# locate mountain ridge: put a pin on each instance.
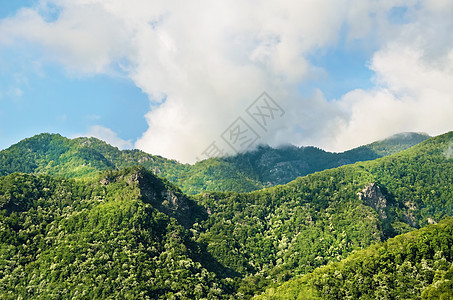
(216, 245)
(289, 230)
(117, 235)
(263, 167)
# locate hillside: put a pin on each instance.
(112, 237)
(59, 156)
(273, 166)
(290, 230)
(415, 265)
(151, 239)
(55, 155)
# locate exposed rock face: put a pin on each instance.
(373, 196)
(288, 169)
(145, 159)
(431, 221)
(162, 197)
(170, 202)
(409, 213)
(156, 171)
(410, 205)
(104, 181)
(174, 202)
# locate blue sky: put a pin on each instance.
(95, 69)
(48, 98)
(54, 101)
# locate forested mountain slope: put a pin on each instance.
(115, 236)
(130, 234)
(415, 265)
(273, 166)
(289, 230)
(55, 155)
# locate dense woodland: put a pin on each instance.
(349, 232)
(99, 238)
(415, 265)
(264, 167)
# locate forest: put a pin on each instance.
(55, 155)
(80, 220)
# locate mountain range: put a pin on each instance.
(82, 220)
(264, 167)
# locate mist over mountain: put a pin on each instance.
(264, 167)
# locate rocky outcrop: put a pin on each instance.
(409, 216)
(431, 221)
(159, 193)
(372, 196)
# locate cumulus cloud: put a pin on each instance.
(109, 136)
(84, 38)
(202, 63)
(414, 72)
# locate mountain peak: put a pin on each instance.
(263, 167)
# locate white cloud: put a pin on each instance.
(109, 136)
(414, 74)
(85, 38)
(202, 63)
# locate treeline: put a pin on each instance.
(264, 167)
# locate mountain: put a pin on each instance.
(118, 235)
(264, 167)
(273, 166)
(59, 156)
(285, 231)
(393, 144)
(415, 265)
(127, 233)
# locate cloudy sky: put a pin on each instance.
(175, 78)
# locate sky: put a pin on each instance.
(190, 80)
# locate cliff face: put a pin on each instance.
(167, 198)
(160, 193)
(372, 196)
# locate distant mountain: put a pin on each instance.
(393, 144)
(129, 234)
(56, 155)
(415, 265)
(272, 166)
